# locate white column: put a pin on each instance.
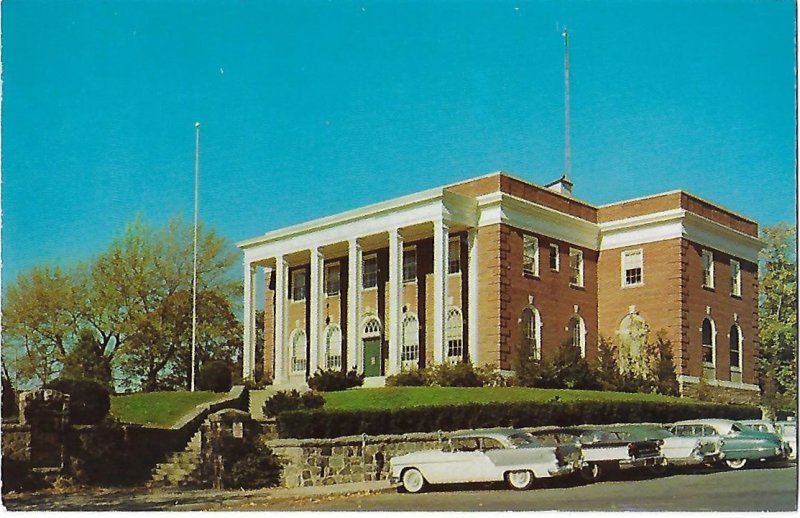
(249, 349)
(281, 273)
(315, 296)
(395, 299)
(440, 249)
(472, 294)
(355, 357)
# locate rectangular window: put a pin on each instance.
(410, 264)
(369, 276)
(575, 267)
(708, 269)
(554, 260)
(454, 255)
(332, 275)
(736, 278)
(530, 255)
(299, 284)
(632, 267)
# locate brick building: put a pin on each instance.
(468, 271)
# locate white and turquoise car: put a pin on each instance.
(738, 444)
(486, 455)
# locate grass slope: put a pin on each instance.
(162, 409)
(408, 397)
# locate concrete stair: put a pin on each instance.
(257, 399)
(182, 468)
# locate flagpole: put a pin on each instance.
(194, 268)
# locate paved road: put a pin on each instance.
(761, 489)
(771, 488)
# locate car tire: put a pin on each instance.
(412, 481)
(735, 463)
(519, 480)
(591, 473)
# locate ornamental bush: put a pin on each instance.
(249, 465)
(285, 401)
(408, 378)
(215, 376)
(89, 401)
(329, 381)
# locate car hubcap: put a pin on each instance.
(519, 479)
(412, 480)
(736, 464)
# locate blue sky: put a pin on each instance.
(313, 107)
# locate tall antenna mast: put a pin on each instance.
(194, 262)
(567, 144)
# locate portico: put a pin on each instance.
(357, 286)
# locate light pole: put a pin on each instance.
(194, 265)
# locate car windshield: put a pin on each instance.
(736, 427)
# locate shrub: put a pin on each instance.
(9, 399)
(86, 361)
(408, 378)
(249, 465)
(455, 375)
(327, 424)
(291, 400)
(329, 381)
(215, 376)
(665, 375)
(89, 401)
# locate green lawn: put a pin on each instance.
(406, 397)
(162, 409)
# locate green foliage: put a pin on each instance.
(285, 401)
(133, 298)
(89, 401)
(665, 374)
(215, 376)
(461, 374)
(161, 409)
(408, 378)
(248, 463)
(336, 423)
(566, 369)
(329, 381)
(777, 313)
(10, 406)
(85, 361)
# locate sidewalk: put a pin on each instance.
(175, 499)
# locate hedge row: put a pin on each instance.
(303, 424)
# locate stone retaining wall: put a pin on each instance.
(317, 462)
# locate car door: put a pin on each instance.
(465, 462)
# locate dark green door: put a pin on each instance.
(372, 357)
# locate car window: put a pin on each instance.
(521, 439)
(491, 444)
(736, 428)
(465, 444)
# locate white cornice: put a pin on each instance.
(677, 223)
(499, 207)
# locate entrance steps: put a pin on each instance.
(182, 468)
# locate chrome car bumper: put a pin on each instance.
(566, 469)
(394, 481)
(641, 463)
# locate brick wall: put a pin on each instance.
(552, 294)
(723, 306)
(658, 300)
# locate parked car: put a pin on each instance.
(789, 439)
(486, 455)
(678, 451)
(788, 432)
(606, 450)
(738, 445)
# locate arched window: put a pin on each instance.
(455, 335)
(531, 336)
(735, 343)
(333, 347)
(298, 344)
(372, 328)
(709, 358)
(577, 333)
(409, 353)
